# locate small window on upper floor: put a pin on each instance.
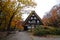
(33, 21)
(34, 17)
(37, 21)
(29, 22)
(31, 17)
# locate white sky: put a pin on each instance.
(43, 6)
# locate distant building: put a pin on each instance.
(32, 21)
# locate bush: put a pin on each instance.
(56, 31)
(43, 31)
(40, 31)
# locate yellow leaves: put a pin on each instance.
(17, 18)
(10, 8)
(27, 2)
(20, 27)
(13, 23)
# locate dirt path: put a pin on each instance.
(26, 36)
(19, 36)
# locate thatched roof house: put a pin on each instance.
(33, 20)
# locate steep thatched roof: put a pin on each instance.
(33, 12)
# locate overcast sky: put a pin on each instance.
(42, 7)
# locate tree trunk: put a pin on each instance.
(9, 24)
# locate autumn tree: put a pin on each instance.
(10, 9)
(52, 18)
(56, 15)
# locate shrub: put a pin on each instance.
(54, 31)
(57, 31)
(42, 31)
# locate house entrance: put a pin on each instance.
(25, 28)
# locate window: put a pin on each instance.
(28, 21)
(31, 17)
(37, 21)
(34, 17)
(29, 26)
(33, 21)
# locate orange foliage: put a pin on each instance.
(53, 17)
(19, 25)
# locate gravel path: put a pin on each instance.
(19, 36)
(26, 36)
